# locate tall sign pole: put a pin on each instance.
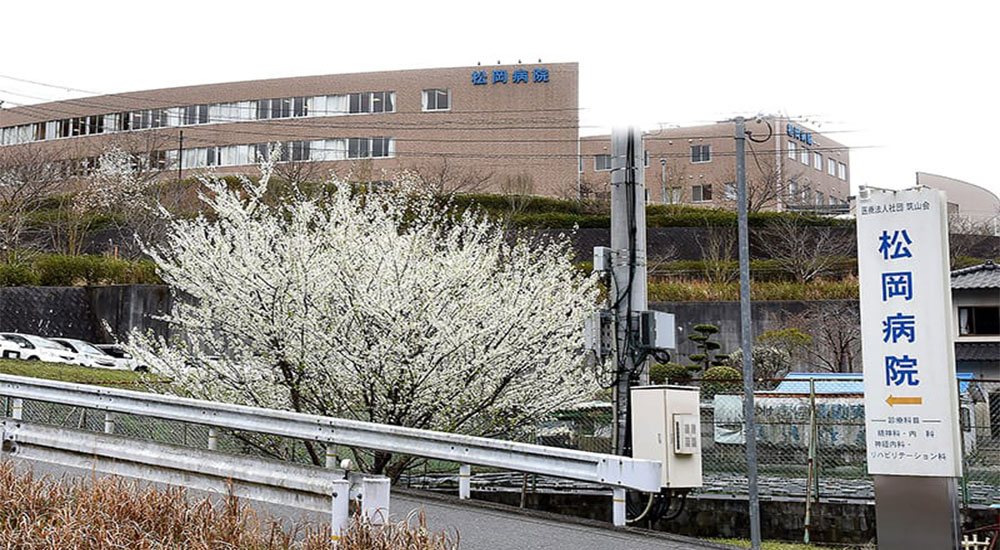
(628, 281)
(746, 332)
(911, 393)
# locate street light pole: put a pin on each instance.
(745, 334)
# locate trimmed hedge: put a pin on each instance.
(60, 270)
(18, 275)
(760, 270)
(547, 213)
(699, 291)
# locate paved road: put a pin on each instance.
(490, 527)
(481, 526)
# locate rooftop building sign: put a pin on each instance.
(517, 76)
(799, 134)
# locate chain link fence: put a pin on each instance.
(792, 461)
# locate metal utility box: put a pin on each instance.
(666, 426)
(657, 330)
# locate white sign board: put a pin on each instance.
(911, 394)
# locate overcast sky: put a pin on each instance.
(908, 85)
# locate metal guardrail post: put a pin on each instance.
(375, 500)
(618, 506)
(213, 439)
(464, 481)
(17, 409)
(109, 422)
(340, 511)
(331, 456)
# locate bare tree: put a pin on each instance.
(298, 172)
(804, 251)
(835, 329)
(138, 161)
(28, 176)
(766, 183)
(969, 237)
(518, 190)
(444, 177)
(718, 250)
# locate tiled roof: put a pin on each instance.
(977, 351)
(986, 275)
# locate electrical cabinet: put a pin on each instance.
(666, 426)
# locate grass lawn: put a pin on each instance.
(772, 545)
(73, 373)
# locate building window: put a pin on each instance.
(701, 193)
(793, 190)
(701, 153)
(645, 159)
(364, 148)
(804, 156)
(842, 171)
(979, 321)
(360, 103)
(158, 118)
(791, 150)
(158, 159)
(195, 114)
(602, 163)
(730, 191)
(300, 150)
(819, 198)
(818, 161)
(383, 102)
(831, 167)
(371, 102)
(437, 99)
(675, 195)
(281, 107)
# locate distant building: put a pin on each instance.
(975, 295)
(974, 208)
(465, 129)
(794, 169)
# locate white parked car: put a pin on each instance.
(36, 348)
(9, 350)
(90, 356)
(123, 358)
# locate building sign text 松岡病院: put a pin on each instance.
(503, 76)
(799, 134)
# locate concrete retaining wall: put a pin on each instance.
(98, 314)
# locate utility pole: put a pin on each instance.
(628, 280)
(663, 181)
(180, 155)
(745, 334)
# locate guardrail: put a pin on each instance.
(299, 487)
(617, 473)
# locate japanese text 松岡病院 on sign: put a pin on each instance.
(911, 395)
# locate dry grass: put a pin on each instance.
(112, 514)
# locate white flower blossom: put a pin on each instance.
(372, 304)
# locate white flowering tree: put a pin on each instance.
(378, 305)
